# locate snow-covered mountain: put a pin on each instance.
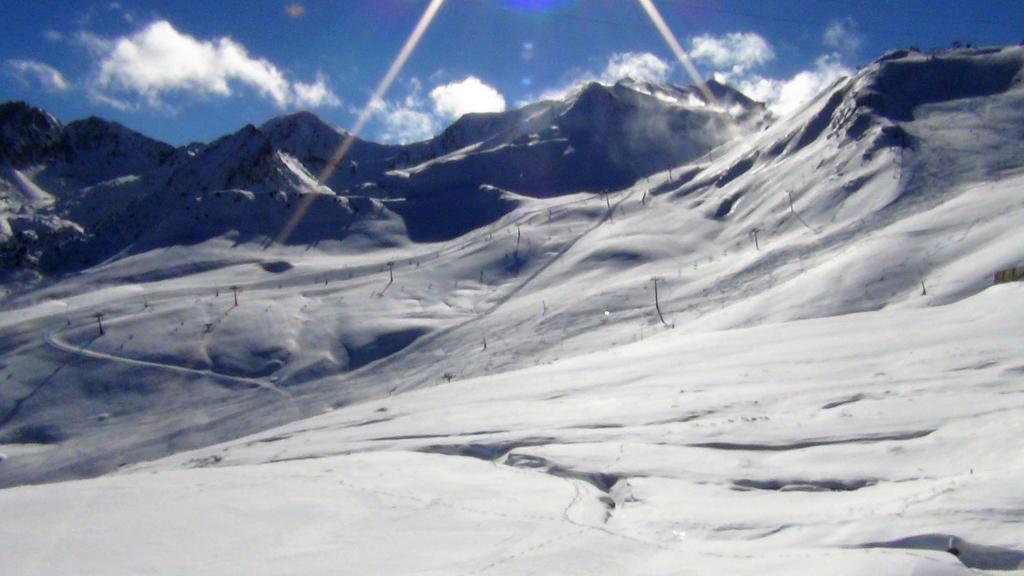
(59, 182)
(625, 332)
(83, 153)
(599, 138)
(101, 189)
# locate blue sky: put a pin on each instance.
(193, 71)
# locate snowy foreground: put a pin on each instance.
(850, 445)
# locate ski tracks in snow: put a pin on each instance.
(53, 341)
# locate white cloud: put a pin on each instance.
(120, 9)
(119, 104)
(43, 74)
(159, 60)
(842, 35)
(645, 67)
(52, 36)
(315, 95)
(97, 46)
(558, 92)
(739, 51)
(786, 96)
(470, 95)
(407, 120)
(417, 117)
(404, 125)
(642, 66)
(736, 55)
(436, 77)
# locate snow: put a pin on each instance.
(721, 451)
(31, 194)
(478, 378)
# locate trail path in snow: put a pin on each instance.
(53, 341)
(155, 297)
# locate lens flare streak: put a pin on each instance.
(364, 116)
(677, 49)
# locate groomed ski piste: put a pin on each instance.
(786, 356)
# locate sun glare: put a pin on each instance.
(533, 5)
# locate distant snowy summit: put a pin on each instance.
(48, 173)
(74, 195)
(90, 150)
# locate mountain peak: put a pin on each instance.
(20, 111)
(247, 159)
(302, 123)
(27, 134)
(102, 149)
(727, 94)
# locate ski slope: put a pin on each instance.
(785, 356)
(685, 453)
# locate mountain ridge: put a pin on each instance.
(287, 156)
